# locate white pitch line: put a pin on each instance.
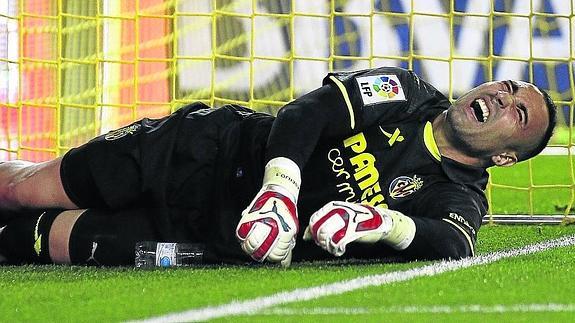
(419, 309)
(558, 151)
(303, 294)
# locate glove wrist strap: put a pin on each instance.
(285, 173)
(402, 231)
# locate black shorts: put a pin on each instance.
(144, 164)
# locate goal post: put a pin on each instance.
(72, 69)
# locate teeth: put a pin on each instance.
(484, 109)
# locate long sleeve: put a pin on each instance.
(347, 103)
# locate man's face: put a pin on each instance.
(499, 116)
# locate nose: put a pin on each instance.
(505, 99)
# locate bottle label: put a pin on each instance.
(165, 254)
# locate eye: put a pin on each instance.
(522, 111)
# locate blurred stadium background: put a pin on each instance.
(73, 69)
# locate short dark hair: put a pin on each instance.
(552, 109)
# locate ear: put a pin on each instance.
(504, 159)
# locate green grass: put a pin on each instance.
(542, 198)
(56, 293)
(510, 281)
(80, 294)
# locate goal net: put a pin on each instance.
(70, 70)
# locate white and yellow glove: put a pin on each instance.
(269, 225)
(337, 224)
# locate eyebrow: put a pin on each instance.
(514, 86)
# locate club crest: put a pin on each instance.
(404, 186)
(122, 132)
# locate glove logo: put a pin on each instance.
(371, 223)
(283, 222)
(404, 186)
(355, 212)
(264, 236)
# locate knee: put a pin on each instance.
(13, 175)
(8, 187)
(8, 197)
(12, 197)
(29, 185)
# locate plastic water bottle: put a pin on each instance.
(168, 254)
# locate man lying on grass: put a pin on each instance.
(375, 163)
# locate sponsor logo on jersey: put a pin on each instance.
(363, 172)
(404, 186)
(393, 137)
(458, 218)
(380, 88)
(122, 132)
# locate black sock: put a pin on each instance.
(108, 238)
(24, 239)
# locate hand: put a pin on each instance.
(269, 225)
(338, 223)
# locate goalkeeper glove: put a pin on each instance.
(268, 227)
(338, 223)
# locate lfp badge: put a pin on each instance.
(380, 88)
(386, 87)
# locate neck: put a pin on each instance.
(448, 147)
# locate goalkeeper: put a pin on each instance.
(374, 164)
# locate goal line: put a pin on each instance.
(558, 151)
(529, 219)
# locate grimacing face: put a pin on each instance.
(496, 117)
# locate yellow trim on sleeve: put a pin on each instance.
(346, 98)
(464, 233)
(429, 141)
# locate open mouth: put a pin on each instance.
(480, 110)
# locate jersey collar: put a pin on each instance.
(429, 141)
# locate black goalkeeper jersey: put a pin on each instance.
(374, 145)
(393, 162)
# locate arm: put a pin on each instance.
(442, 224)
(448, 217)
(339, 223)
(347, 103)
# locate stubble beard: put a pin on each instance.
(462, 140)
